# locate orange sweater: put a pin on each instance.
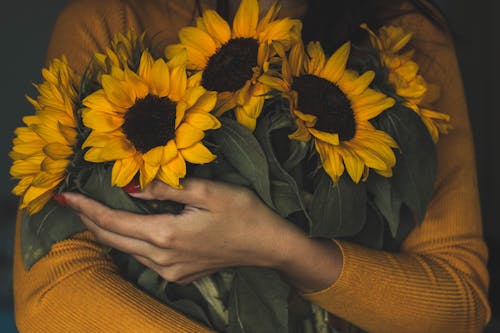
(437, 283)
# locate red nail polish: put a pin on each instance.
(60, 199)
(132, 187)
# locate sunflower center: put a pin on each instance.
(231, 66)
(328, 103)
(150, 122)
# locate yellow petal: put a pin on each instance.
(330, 159)
(296, 58)
(198, 40)
(335, 66)
(245, 119)
(193, 94)
(124, 171)
(38, 203)
(22, 186)
(117, 148)
(358, 85)
(48, 133)
(331, 138)
(98, 101)
(169, 152)
(178, 166)
(246, 18)
(202, 121)
(55, 167)
(206, 102)
(23, 168)
(27, 149)
(353, 164)
(58, 151)
(44, 179)
(154, 156)
(167, 176)
(134, 83)
(280, 30)
(69, 133)
(301, 134)
(316, 61)
(216, 26)
(274, 82)
(101, 121)
(145, 66)
(147, 174)
(116, 92)
(160, 78)
(270, 16)
(26, 135)
(371, 111)
(197, 154)
(186, 136)
(309, 119)
(178, 83)
(35, 192)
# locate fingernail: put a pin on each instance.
(132, 187)
(60, 199)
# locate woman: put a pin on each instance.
(436, 283)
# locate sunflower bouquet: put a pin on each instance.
(341, 145)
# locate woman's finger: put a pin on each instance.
(178, 272)
(195, 192)
(125, 244)
(155, 229)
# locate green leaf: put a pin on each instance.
(372, 234)
(258, 302)
(298, 151)
(184, 299)
(286, 193)
(337, 210)
(415, 171)
(285, 198)
(51, 224)
(385, 200)
(240, 148)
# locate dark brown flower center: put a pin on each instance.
(150, 122)
(328, 103)
(231, 66)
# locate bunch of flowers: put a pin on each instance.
(341, 145)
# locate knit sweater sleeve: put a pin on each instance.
(76, 287)
(438, 281)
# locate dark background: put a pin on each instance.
(25, 28)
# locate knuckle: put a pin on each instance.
(106, 219)
(158, 189)
(172, 274)
(203, 190)
(163, 237)
(163, 259)
(245, 197)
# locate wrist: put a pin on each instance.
(310, 264)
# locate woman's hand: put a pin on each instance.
(221, 226)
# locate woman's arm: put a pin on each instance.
(438, 282)
(76, 287)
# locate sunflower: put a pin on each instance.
(124, 52)
(231, 60)
(333, 105)
(43, 148)
(150, 122)
(403, 75)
